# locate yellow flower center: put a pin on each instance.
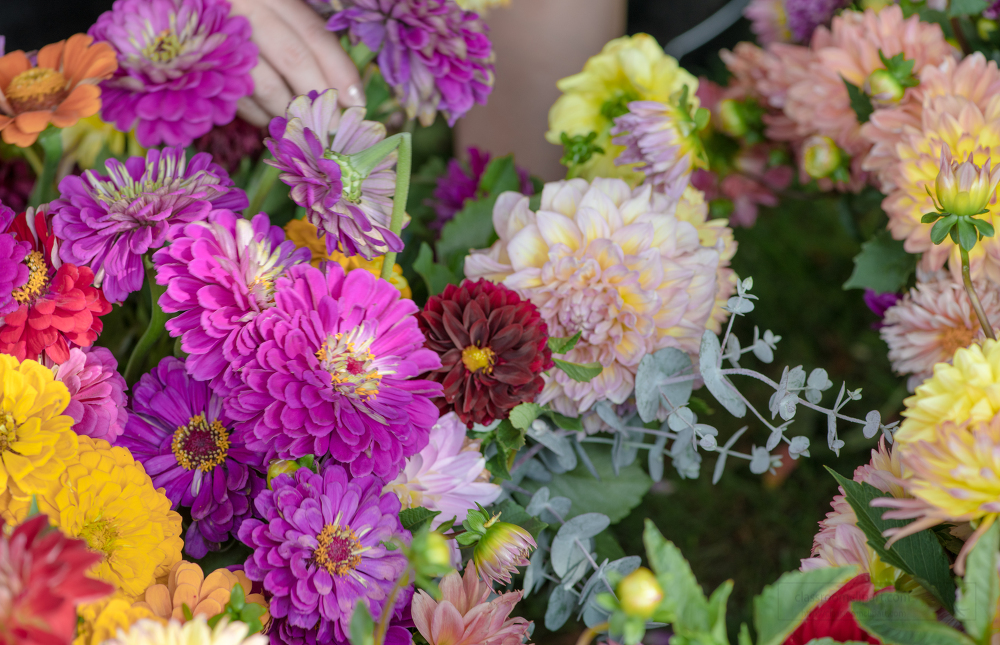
(38, 278)
(200, 444)
(478, 358)
(101, 536)
(8, 433)
(954, 338)
(164, 48)
(350, 362)
(339, 550)
(38, 88)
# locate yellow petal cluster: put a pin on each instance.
(187, 586)
(631, 68)
(304, 235)
(106, 498)
(966, 390)
(99, 621)
(36, 439)
(84, 142)
(194, 632)
(482, 6)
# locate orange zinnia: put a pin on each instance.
(60, 89)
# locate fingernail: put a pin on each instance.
(354, 96)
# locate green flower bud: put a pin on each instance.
(280, 467)
(821, 157)
(884, 88)
(985, 28)
(731, 118)
(965, 188)
(639, 593)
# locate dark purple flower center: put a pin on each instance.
(339, 550)
(350, 362)
(200, 444)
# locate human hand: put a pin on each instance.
(297, 55)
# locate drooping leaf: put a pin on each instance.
(977, 605)
(860, 102)
(782, 606)
(414, 518)
(651, 386)
(582, 372)
(883, 265)
(900, 619)
(683, 602)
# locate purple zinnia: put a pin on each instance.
(458, 185)
(109, 221)
(179, 431)
(96, 390)
(220, 275)
(879, 303)
(805, 15)
(332, 371)
(321, 548)
(13, 270)
(434, 55)
(182, 66)
(349, 209)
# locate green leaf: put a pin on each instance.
(942, 227)
(614, 496)
(500, 176)
(563, 345)
(512, 512)
(967, 235)
(781, 607)
(985, 228)
(883, 265)
(900, 619)
(413, 518)
(919, 555)
(499, 464)
(744, 638)
(583, 372)
(966, 7)
(509, 437)
(186, 611)
(436, 276)
(683, 602)
(465, 539)
(860, 102)
(933, 216)
(522, 415)
(237, 600)
(564, 422)
(362, 625)
(717, 611)
(977, 605)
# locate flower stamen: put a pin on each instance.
(479, 358)
(200, 445)
(38, 278)
(101, 536)
(339, 550)
(38, 88)
(350, 362)
(164, 48)
(8, 432)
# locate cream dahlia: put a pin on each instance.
(615, 264)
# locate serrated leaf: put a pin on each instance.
(563, 345)
(684, 601)
(414, 518)
(782, 606)
(919, 555)
(900, 619)
(883, 265)
(436, 276)
(861, 103)
(582, 372)
(513, 513)
(976, 606)
(522, 415)
(509, 436)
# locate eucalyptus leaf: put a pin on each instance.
(716, 383)
(651, 387)
(561, 604)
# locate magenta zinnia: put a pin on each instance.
(352, 211)
(97, 392)
(182, 66)
(331, 371)
(434, 55)
(219, 276)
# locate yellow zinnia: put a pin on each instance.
(99, 621)
(36, 439)
(631, 68)
(966, 390)
(106, 498)
(303, 234)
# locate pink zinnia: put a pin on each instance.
(96, 390)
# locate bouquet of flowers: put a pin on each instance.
(311, 385)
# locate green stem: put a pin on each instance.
(157, 325)
(45, 190)
(387, 608)
(33, 160)
(261, 190)
(403, 165)
(984, 322)
(588, 634)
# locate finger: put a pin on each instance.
(248, 110)
(269, 89)
(286, 53)
(337, 67)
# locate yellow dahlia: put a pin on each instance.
(631, 68)
(36, 438)
(303, 234)
(953, 476)
(106, 498)
(968, 390)
(100, 621)
(187, 586)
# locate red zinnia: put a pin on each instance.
(833, 618)
(493, 347)
(58, 305)
(41, 582)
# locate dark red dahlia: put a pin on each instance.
(59, 303)
(229, 144)
(833, 618)
(16, 182)
(493, 347)
(42, 580)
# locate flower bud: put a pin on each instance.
(436, 550)
(821, 157)
(884, 88)
(639, 593)
(731, 119)
(965, 188)
(985, 28)
(501, 550)
(280, 467)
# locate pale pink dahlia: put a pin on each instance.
(840, 542)
(96, 390)
(448, 475)
(611, 263)
(932, 321)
